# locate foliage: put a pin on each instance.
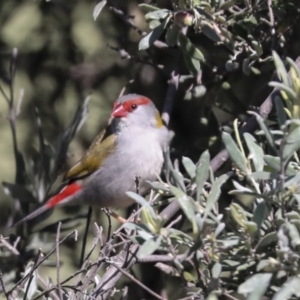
(231, 234)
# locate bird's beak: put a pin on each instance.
(119, 111)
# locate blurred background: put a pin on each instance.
(64, 56)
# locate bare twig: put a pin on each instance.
(57, 262)
(132, 278)
(41, 261)
(3, 287)
(8, 246)
(88, 220)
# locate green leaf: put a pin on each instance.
(257, 284)
(210, 31)
(274, 162)
(157, 14)
(260, 214)
(98, 8)
(214, 195)
(234, 152)
(257, 154)
(262, 175)
(202, 172)
(291, 142)
(266, 130)
(289, 288)
(281, 114)
(288, 90)
(189, 167)
(31, 285)
(267, 240)
(192, 64)
(149, 247)
(187, 205)
(172, 35)
(143, 202)
(189, 48)
(147, 8)
(280, 68)
(216, 270)
(152, 36)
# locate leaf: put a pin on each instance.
(290, 287)
(172, 35)
(202, 172)
(143, 202)
(147, 8)
(167, 269)
(281, 114)
(280, 68)
(209, 30)
(260, 214)
(234, 152)
(214, 195)
(267, 240)
(291, 142)
(192, 64)
(265, 129)
(152, 36)
(189, 48)
(31, 284)
(98, 8)
(187, 205)
(288, 90)
(150, 246)
(257, 154)
(274, 163)
(216, 270)
(262, 175)
(157, 14)
(189, 167)
(257, 282)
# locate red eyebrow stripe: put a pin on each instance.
(138, 101)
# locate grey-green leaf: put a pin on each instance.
(202, 172)
(149, 247)
(234, 152)
(143, 202)
(257, 281)
(157, 14)
(189, 166)
(257, 154)
(98, 8)
(193, 65)
(290, 287)
(152, 36)
(260, 214)
(189, 48)
(215, 193)
(210, 31)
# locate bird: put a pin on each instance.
(132, 147)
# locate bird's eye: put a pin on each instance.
(133, 106)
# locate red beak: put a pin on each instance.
(119, 111)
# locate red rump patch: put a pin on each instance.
(69, 190)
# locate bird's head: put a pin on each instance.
(136, 110)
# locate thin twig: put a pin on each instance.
(132, 278)
(41, 261)
(88, 220)
(8, 246)
(3, 286)
(57, 262)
